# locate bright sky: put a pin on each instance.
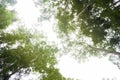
(27, 11)
(94, 69)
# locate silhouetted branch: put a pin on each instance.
(15, 71)
(116, 2)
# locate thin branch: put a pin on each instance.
(115, 3)
(9, 75)
(6, 77)
(104, 50)
(15, 71)
(83, 10)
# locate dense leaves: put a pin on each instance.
(22, 52)
(94, 18)
(89, 27)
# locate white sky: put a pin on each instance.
(27, 11)
(94, 69)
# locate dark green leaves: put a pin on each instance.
(93, 17)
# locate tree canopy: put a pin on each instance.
(78, 21)
(21, 50)
(94, 19)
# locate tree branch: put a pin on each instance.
(116, 2)
(104, 50)
(15, 71)
(83, 10)
(6, 77)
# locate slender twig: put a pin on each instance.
(83, 10)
